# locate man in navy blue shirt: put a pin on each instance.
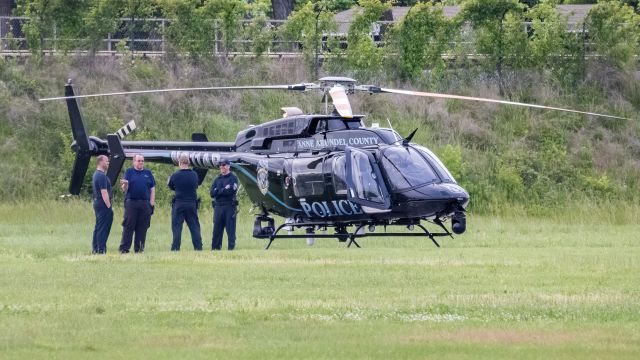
(223, 193)
(185, 204)
(102, 196)
(140, 188)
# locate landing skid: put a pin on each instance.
(343, 236)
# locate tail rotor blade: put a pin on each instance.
(80, 166)
(126, 130)
(471, 98)
(341, 101)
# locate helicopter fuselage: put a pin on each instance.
(327, 168)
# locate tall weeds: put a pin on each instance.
(509, 159)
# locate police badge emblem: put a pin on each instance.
(263, 176)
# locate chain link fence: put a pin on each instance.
(146, 36)
(149, 37)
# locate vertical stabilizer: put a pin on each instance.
(82, 145)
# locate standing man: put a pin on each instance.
(185, 204)
(140, 188)
(102, 196)
(223, 194)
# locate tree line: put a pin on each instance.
(489, 32)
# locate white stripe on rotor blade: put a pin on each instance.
(266, 87)
(470, 98)
(341, 101)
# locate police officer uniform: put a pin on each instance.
(185, 207)
(104, 214)
(223, 193)
(137, 209)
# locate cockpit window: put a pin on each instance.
(406, 168)
(339, 175)
(365, 180)
(444, 172)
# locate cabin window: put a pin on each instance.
(339, 175)
(365, 180)
(308, 177)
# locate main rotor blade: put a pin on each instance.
(296, 87)
(341, 101)
(470, 98)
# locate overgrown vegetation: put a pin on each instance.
(542, 162)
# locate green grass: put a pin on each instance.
(510, 287)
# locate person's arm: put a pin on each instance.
(152, 197)
(105, 198)
(124, 182)
(170, 183)
(214, 189)
(232, 187)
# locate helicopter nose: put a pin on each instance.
(457, 193)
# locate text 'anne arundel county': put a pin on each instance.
(328, 143)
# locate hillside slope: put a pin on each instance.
(508, 158)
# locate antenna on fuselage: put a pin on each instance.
(395, 134)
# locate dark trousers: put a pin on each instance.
(137, 218)
(104, 219)
(224, 216)
(185, 211)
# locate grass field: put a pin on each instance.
(511, 287)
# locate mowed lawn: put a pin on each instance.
(511, 287)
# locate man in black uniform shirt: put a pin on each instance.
(223, 193)
(185, 204)
(140, 187)
(102, 195)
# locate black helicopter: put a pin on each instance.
(317, 171)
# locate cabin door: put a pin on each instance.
(364, 180)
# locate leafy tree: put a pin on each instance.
(190, 29)
(420, 39)
(230, 13)
(45, 16)
(306, 26)
(363, 55)
(102, 18)
(259, 30)
(195, 22)
(487, 17)
(614, 27)
(135, 10)
(552, 46)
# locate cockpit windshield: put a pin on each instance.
(407, 168)
(444, 173)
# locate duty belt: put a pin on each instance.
(225, 203)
